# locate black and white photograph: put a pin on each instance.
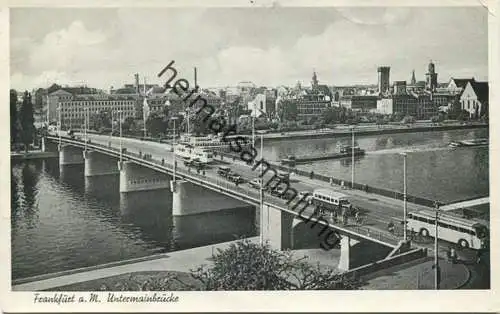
(159, 150)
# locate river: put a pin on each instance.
(61, 220)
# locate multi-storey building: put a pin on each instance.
(74, 108)
(363, 103)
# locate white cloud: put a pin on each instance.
(346, 51)
(67, 49)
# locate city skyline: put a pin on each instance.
(105, 47)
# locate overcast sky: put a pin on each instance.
(268, 46)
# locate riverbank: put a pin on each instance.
(360, 130)
(38, 154)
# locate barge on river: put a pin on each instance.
(344, 151)
(470, 143)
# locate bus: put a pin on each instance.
(466, 233)
(330, 199)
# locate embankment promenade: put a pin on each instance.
(370, 129)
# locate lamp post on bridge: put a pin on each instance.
(352, 159)
(85, 118)
(174, 138)
(261, 191)
(121, 142)
(405, 155)
(59, 124)
(437, 270)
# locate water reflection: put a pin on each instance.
(214, 227)
(62, 220)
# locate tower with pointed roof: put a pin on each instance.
(413, 79)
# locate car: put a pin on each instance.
(236, 178)
(306, 194)
(255, 183)
(223, 171)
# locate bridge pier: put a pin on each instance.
(277, 227)
(134, 177)
(70, 155)
(191, 199)
(97, 164)
(346, 243)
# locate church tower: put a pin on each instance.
(413, 79)
(431, 76)
(314, 82)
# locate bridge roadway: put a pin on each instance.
(376, 210)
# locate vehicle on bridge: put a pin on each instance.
(255, 183)
(234, 177)
(467, 233)
(331, 200)
(71, 133)
(223, 171)
(195, 162)
(191, 152)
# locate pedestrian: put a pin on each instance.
(478, 256)
(331, 181)
(311, 175)
(453, 255)
(390, 227)
(203, 172)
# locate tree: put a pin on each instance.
(128, 125)
(408, 120)
(155, 124)
(250, 266)
(27, 121)
(100, 120)
(13, 116)
(289, 110)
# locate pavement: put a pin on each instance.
(414, 275)
(419, 274)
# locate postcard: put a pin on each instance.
(249, 156)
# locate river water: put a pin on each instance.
(61, 220)
(434, 170)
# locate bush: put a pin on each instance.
(250, 266)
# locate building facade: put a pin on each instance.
(475, 98)
(362, 103)
(383, 79)
(74, 108)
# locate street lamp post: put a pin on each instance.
(59, 124)
(437, 273)
(404, 196)
(261, 191)
(121, 142)
(352, 159)
(175, 159)
(85, 118)
(253, 131)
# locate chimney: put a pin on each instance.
(136, 82)
(195, 78)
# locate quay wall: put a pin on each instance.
(360, 132)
